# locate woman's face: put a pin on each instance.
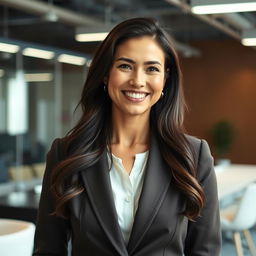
(137, 76)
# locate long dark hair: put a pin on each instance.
(86, 142)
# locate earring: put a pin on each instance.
(162, 94)
(105, 83)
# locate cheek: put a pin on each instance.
(158, 84)
(115, 79)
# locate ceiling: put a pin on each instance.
(54, 22)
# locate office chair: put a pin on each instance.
(240, 218)
(16, 237)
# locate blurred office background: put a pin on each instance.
(44, 56)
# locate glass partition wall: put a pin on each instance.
(8, 153)
(37, 101)
(71, 92)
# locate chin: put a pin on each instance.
(137, 112)
(131, 111)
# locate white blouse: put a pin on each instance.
(127, 189)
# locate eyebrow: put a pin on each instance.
(133, 62)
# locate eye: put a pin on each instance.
(125, 67)
(153, 69)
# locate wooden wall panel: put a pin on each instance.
(221, 84)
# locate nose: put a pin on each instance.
(138, 79)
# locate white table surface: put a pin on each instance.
(233, 178)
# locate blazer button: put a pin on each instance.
(128, 199)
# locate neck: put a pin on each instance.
(130, 131)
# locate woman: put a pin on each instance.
(126, 180)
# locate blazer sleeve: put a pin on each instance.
(204, 234)
(52, 233)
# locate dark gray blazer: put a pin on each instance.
(158, 229)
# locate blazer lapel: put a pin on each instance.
(156, 183)
(98, 186)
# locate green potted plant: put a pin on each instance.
(222, 137)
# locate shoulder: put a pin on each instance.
(194, 142)
(58, 149)
(203, 156)
(199, 146)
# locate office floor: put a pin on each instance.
(228, 248)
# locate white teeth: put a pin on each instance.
(135, 95)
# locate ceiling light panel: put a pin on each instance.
(38, 77)
(72, 59)
(249, 37)
(38, 53)
(222, 6)
(91, 37)
(249, 41)
(10, 48)
(93, 33)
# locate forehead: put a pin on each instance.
(145, 47)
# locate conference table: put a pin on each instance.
(20, 205)
(234, 178)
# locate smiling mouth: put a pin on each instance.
(137, 96)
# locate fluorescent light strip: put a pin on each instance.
(91, 37)
(249, 37)
(224, 8)
(11, 48)
(38, 77)
(43, 54)
(71, 59)
(249, 41)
